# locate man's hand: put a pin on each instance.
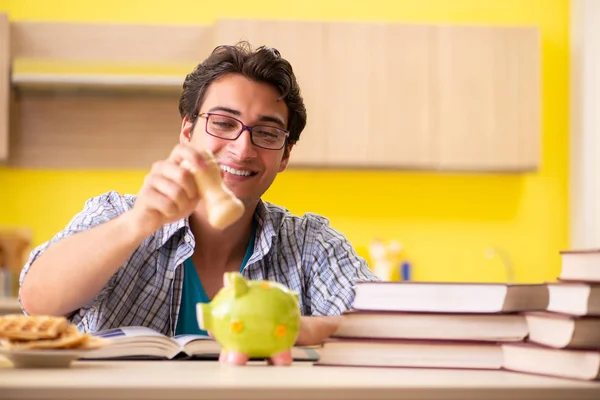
(72, 271)
(314, 330)
(169, 191)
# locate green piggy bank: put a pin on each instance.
(252, 319)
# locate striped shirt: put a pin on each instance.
(304, 253)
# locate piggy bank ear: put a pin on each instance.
(237, 281)
(230, 277)
(240, 287)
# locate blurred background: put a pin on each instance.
(447, 224)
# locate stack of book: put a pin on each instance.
(433, 325)
(564, 340)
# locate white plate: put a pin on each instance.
(52, 358)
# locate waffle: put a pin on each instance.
(25, 327)
(20, 332)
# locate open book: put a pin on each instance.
(136, 342)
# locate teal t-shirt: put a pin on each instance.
(193, 293)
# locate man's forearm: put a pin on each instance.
(72, 271)
(314, 330)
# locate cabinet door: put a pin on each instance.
(302, 44)
(4, 85)
(407, 138)
(355, 81)
(378, 95)
(487, 92)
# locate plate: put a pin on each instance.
(51, 358)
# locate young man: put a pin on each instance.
(148, 259)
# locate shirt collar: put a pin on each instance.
(169, 230)
(265, 232)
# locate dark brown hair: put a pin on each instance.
(264, 64)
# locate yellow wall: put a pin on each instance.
(445, 221)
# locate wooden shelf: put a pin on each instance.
(34, 74)
(88, 81)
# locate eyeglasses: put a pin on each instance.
(229, 128)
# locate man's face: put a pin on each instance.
(247, 170)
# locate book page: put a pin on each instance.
(128, 331)
(136, 342)
(185, 339)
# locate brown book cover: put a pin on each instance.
(580, 251)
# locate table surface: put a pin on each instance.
(209, 379)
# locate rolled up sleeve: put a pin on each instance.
(96, 211)
(333, 270)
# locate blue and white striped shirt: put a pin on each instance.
(304, 253)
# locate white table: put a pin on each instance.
(210, 380)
